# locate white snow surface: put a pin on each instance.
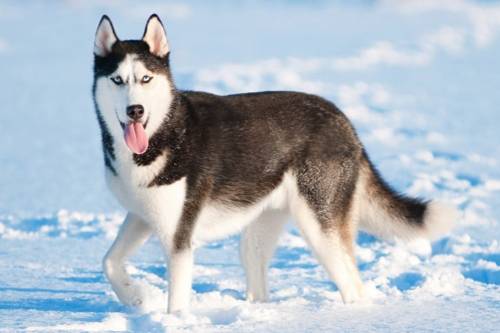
(419, 80)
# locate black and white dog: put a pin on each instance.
(192, 167)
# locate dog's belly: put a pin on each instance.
(217, 220)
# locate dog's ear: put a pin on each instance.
(155, 37)
(105, 37)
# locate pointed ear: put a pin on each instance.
(105, 37)
(155, 37)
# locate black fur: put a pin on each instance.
(106, 65)
(106, 138)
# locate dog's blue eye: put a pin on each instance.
(146, 79)
(117, 80)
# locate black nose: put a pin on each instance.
(135, 112)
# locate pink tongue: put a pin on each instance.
(136, 138)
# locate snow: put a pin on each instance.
(419, 80)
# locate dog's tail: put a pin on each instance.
(389, 215)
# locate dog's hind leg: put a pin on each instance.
(257, 245)
(133, 233)
(325, 209)
(334, 250)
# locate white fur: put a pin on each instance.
(133, 233)
(180, 267)
(160, 207)
(439, 219)
(257, 245)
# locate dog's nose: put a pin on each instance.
(135, 112)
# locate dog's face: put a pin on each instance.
(132, 82)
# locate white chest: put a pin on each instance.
(156, 204)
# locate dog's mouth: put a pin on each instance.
(135, 136)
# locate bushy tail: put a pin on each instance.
(387, 214)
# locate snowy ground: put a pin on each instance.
(419, 79)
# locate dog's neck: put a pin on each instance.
(169, 136)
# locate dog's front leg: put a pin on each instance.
(133, 233)
(180, 274)
(179, 253)
(180, 279)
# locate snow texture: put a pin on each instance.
(419, 80)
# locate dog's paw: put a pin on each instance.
(354, 295)
(360, 296)
(142, 297)
(131, 294)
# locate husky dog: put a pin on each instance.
(192, 167)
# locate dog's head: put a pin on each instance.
(133, 88)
